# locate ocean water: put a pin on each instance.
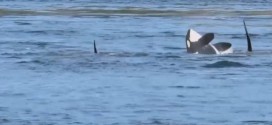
(142, 74)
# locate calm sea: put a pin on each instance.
(142, 74)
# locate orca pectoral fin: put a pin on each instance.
(95, 50)
(217, 48)
(249, 47)
(206, 39)
(222, 46)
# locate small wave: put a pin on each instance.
(225, 64)
(23, 23)
(157, 12)
(3, 109)
(32, 43)
(172, 48)
(144, 36)
(36, 61)
(124, 54)
(5, 12)
(185, 87)
(45, 32)
(241, 36)
(3, 120)
(258, 122)
(15, 55)
(12, 95)
(136, 12)
(172, 34)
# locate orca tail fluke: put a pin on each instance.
(95, 50)
(249, 47)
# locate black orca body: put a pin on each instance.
(198, 44)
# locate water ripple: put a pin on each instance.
(136, 12)
(225, 64)
(257, 122)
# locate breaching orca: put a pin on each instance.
(198, 44)
(195, 43)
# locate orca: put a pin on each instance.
(198, 44)
(95, 50)
(249, 47)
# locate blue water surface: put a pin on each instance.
(142, 74)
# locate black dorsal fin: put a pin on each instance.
(249, 47)
(95, 50)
